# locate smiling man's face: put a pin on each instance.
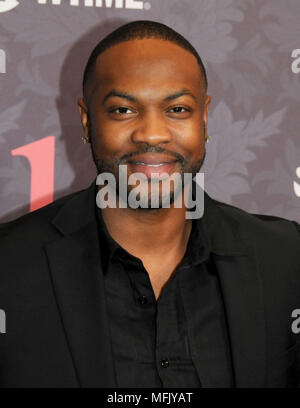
(147, 108)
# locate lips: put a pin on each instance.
(153, 159)
(150, 165)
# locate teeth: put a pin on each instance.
(151, 165)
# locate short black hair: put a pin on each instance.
(134, 30)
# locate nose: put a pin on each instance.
(152, 130)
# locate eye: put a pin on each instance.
(179, 109)
(121, 110)
(179, 112)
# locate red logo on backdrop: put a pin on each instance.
(40, 155)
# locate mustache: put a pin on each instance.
(151, 149)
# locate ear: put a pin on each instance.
(206, 108)
(83, 110)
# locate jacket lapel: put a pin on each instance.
(75, 266)
(241, 285)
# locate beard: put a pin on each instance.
(185, 167)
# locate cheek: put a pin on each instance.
(107, 139)
(191, 140)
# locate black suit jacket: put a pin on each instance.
(51, 289)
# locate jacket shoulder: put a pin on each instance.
(253, 223)
(262, 226)
(37, 221)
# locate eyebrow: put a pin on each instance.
(125, 95)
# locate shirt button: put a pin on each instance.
(142, 300)
(164, 363)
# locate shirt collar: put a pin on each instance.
(226, 235)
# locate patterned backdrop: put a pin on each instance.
(251, 49)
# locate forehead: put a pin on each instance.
(148, 64)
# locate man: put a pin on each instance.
(146, 297)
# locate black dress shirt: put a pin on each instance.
(156, 343)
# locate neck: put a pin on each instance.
(149, 233)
